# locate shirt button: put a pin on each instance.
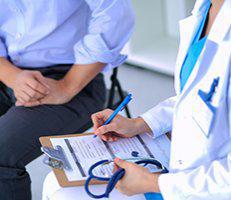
(12, 48)
(18, 35)
(15, 10)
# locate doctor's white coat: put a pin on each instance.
(200, 161)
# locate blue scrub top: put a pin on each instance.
(194, 52)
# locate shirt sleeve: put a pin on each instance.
(3, 52)
(109, 29)
(160, 118)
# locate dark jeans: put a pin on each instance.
(20, 129)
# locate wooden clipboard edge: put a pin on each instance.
(60, 174)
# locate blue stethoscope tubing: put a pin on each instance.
(115, 177)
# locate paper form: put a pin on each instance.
(84, 151)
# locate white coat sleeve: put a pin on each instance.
(160, 118)
(210, 181)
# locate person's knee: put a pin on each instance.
(12, 143)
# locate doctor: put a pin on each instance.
(199, 116)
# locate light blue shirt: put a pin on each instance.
(42, 33)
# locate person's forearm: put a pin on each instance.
(79, 76)
(8, 72)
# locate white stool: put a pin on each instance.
(52, 191)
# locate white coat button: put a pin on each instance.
(180, 162)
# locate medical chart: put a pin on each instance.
(83, 151)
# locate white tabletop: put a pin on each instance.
(52, 191)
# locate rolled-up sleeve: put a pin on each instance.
(3, 52)
(109, 29)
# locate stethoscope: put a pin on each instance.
(112, 181)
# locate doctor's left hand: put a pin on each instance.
(58, 95)
(137, 179)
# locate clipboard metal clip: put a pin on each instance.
(56, 158)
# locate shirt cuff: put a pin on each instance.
(157, 129)
(92, 49)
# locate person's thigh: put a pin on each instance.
(5, 103)
(20, 127)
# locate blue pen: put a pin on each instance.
(125, 102)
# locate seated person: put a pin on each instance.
(51, 56)
(199, 116)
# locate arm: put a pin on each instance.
(156, 121)
(160, 118)
(109, 30)
(62, 91)
(207, 181)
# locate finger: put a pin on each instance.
(37, 86)
(105, 129)
(115, 168)
(41, 79)
(32, 103)
(97, 120)
(33, 93)
(23, 96)
(114, 138)
(19, 103)
(103, 137)
(111, 137)
(100, 117)
(120, 163)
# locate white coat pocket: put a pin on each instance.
(203, 111)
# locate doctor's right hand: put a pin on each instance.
(119, 127)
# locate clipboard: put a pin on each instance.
(161, 152)
(60, 174)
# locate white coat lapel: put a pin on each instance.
(188, 28)
(220, 32)
(221, 26)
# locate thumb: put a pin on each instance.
(120, 163)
